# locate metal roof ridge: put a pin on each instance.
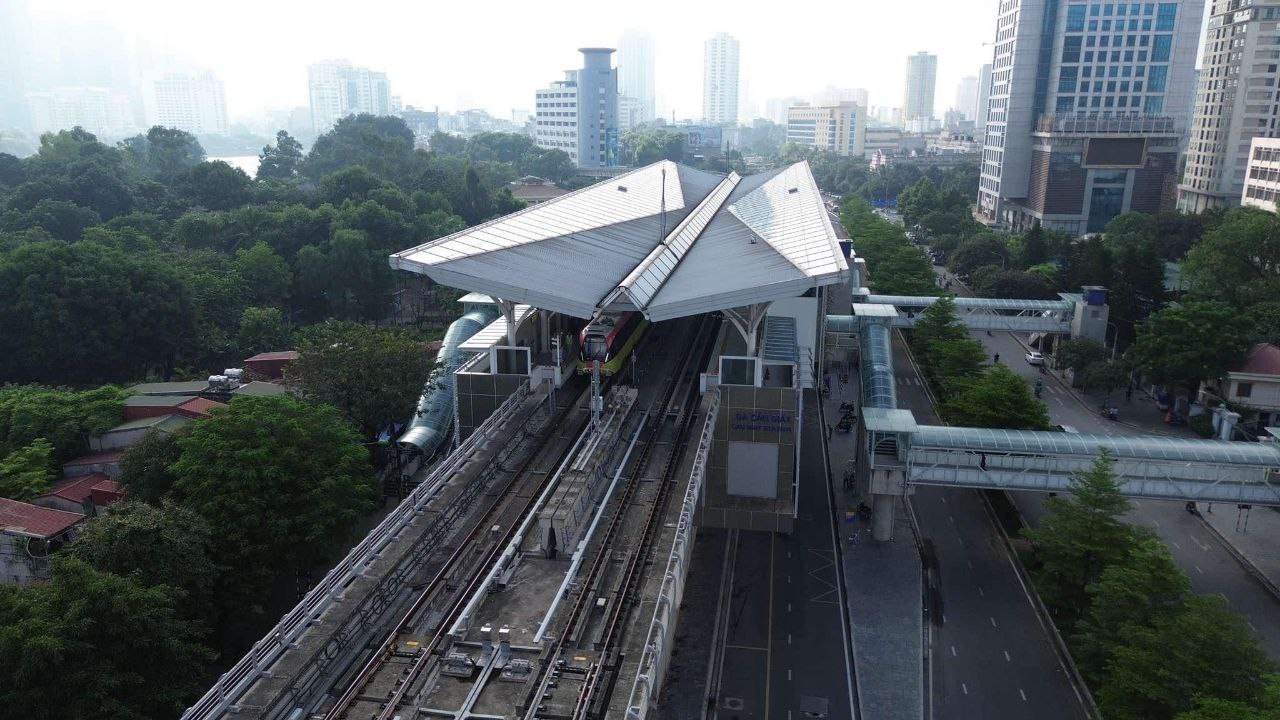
(396, 258)
(799, 173)
(703, 214)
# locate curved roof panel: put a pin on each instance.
(723, 242)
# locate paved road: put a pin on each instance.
(1199, 553)
(992, 658)
(785, 637)
(1211, 567)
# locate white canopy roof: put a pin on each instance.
(724, 242)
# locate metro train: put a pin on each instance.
(610, 339)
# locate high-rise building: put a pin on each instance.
(1236, 101)
(776, 109)
(191, 102)
(967, 97)
(15, 19)
(337, 89)
(922, 76)
(840, 128)
(630, 112)
(579, 114)
(1262, 180)
(720, 80)
(984, 97)
(635, 73)
(101, 111)
(835, 96)
(1087, 111)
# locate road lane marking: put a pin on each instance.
(980, 593)
(943, 499)
(747, 647)
(953, 651)
(1224, 597)
(768, 655)
(993, 621)
(1023, 694)
(788, 638)
(1156, 523)
(1006, 656)
(788, 607)
(1251, 627)
(788, 680)
(970, 564)
(952, 518)
(965, 688)
(1197, 567)
(1175, 544)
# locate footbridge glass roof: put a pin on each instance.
(665, 239)
(1090, 444)
(972, 302)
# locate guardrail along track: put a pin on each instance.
(400, 659)
(630, 533)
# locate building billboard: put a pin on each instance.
(704, 137)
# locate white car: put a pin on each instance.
(1035, 358)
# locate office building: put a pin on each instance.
(1236, 101)
(967, 97)
(191, 102)
(984, 96)
(922, 76)
(840, 129)
(1262, 178)
(630, 112)
(1087, 111)
(338, 89)
(635, 74)
(579, 114)
(101, 111)
(720, 80)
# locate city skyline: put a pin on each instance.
(776, 61)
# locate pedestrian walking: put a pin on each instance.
(830, 429)
(997, 359)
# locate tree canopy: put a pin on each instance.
(1182, 345)
(999, 398)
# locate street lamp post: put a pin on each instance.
(1115, 338)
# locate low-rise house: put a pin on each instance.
(137, 407)
(85, 494)
(1253, 387)
(29, 535)
(122, 436)
(190, 388)
(269, 365)
(259, 388)
(106, 463)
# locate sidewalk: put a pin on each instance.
(884, 586)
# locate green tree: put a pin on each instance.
(1145, 584)
(265, 274)
(63, 418)
(1183, 345)
(997, 283)
(447, 144)
(1083, 534)
(954, 364)
(382, 144)
(1137, 283)
(918, 200)
(144, 466)
(1239, 260)
(282, 480)
(937, 322)
(1204, 708)
(977, 251)
(165, 545)
(1200, 650)
(127, 313)
(280, 161)
(1080, 353)
(90, 644)
(25, 473)
(998, 399)
(164, 153)
(1086, 262)
(263, 329)
(372, 376)
(1034, 249)
(214, 186)
(349, 183)
(1106, 376)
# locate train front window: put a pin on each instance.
(596, 348)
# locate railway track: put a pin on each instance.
(386, 668)
(630, 533)
(409, 659)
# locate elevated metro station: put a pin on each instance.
(665, 242)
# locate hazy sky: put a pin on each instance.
(494, 54)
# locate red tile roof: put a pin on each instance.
(19, 518)
(280, 355)
(1263, 359)
(200, 406)
(102, 458)
(79, 489)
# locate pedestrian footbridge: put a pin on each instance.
(1162, 468)
(1053, 316)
